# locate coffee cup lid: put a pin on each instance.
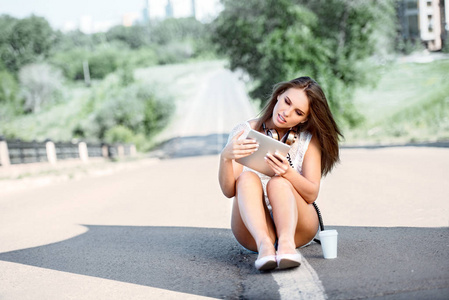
(328, 232)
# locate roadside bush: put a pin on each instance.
(119, 134)
(135, 107)
(175, 52)
(40, 84)
(9, 89)
(141, 58)
(103, 61)
(71, 62)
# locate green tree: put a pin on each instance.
(171, 30)
(103, 61)
(75, 39)
(277, 40)
(134, 36)
(24, 41)
(71, 62)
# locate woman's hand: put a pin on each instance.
(278, 163)
(239, 148)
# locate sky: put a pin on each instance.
(98, 15)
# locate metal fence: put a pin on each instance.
(95, 150)
(26, 152)
(22, 152)
(67, 150)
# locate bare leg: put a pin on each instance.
(296, 221)
(251, 222)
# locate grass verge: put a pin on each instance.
(410, 103)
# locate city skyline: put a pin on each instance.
(100, 15)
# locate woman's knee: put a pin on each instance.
(276, 184)
(247, 178)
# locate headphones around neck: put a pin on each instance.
(289, 138)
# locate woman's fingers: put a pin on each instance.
(277, 162)
(245, 150)
(240, 147)
(250, 144)
(243, 147)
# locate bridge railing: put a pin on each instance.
(23, 152)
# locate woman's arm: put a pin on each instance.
(226, 176)
(229, 170)
(308, 184)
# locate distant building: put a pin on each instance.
(425, 21)
(193, 7)
(129, 19)
(146, 12)
(169, 9)
(202, 10)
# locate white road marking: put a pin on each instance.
(300, 283)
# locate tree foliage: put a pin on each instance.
(164, 42)
(135, 36)
(24, 41)
(278, 40)
(35, 62)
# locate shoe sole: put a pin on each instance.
(269, 265)
(287, 263)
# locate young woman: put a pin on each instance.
(270, 212)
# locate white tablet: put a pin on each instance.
(256, 161)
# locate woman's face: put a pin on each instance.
(292, 108)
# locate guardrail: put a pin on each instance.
(21, 152)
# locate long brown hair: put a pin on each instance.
(320, 121)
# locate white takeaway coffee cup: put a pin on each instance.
(328, 240)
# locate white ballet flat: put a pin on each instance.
(287, 261)
(266, 263)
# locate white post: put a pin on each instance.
(4, 154)
(82, 148)
(105, 151)
(51, 152)
(120, 150)
(132, 150)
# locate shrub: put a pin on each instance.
(8, 88)
(175, 52)
(135, 107)
(71, 62)
(40, 84)
(119, 134)
(103, 61)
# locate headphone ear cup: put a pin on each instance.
(273, 133)
(290, 137)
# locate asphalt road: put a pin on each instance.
(151, 232)
(160, 229)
